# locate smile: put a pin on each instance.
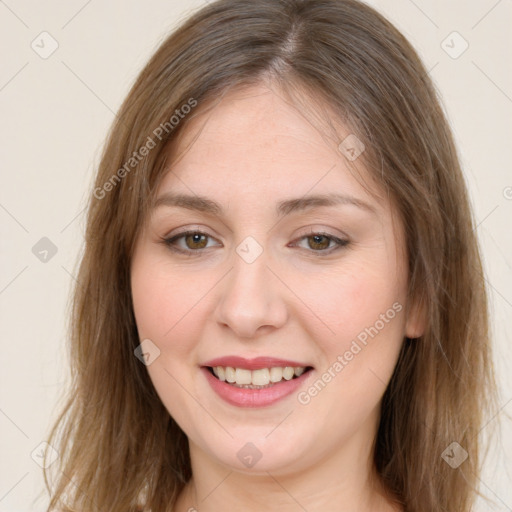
(256, 379)
(258, 382)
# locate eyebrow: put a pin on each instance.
(283, 208)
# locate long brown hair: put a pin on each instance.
(119, 448)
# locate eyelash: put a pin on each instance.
(170, 242)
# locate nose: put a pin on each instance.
(252, 301)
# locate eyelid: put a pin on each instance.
(191, 229)
(323, 231)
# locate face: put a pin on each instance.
(241, 273)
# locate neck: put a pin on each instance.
(287, 494)
(343, 481)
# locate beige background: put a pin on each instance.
(56, 112)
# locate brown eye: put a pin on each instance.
(318, 242)
(196, 241)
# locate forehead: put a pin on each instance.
(257, 141)
(262, 111)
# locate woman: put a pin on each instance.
(280, 304)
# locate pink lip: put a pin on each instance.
(251, 364)
(242, 397)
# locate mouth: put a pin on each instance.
(260, 378)
(258, 382)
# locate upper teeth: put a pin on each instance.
(257, 377)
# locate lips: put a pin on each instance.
(254, 382)
(253, 364)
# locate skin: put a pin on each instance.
(252, 150)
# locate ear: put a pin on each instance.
(416, 321)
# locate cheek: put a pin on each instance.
(166, 307)
(352, 298)
(358, 352)
(169, 306)
(361, 307)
